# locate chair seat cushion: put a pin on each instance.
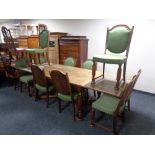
(42, 89)
(67, 98)
(40, 50)
(30, 50)
(26, 78)
(107, 104)
(110, 58)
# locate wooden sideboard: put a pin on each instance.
(28, 41)
(73, 46)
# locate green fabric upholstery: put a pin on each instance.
(26, 79)
(42, 60)
(40, 51)
(69, 61)
(35, 50)
(43, 39)
(21, 63)
(111, 58)
(67, 98)
(107, 104)
(30, 50)
(87, 64)
(42, 89)
(118, 40)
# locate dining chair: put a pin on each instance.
(16, 55)
(40, 55)
(65, 93)
(113, 106)
(117, 46)
(13, 51)
(25, 78)
(43, 87)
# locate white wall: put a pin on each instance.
(142, 49)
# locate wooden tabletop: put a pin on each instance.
(77, 76)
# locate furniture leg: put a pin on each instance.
(118, 76)
(59, 105)
(93, 72)
(92, 117)
(114, 125)
(124, 72)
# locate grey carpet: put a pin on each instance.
(21, 115)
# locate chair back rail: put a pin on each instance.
(127, 91)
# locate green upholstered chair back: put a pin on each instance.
(61, 82)
(38, 75)
(70, 61)
(87, 64)
(43, 39)
(118, 38)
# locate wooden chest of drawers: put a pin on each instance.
(33, 41)
(23, 41)
(73, 46)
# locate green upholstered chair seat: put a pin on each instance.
(43, 89)
(40, 50)
(35, 50)
(30, 50)
(107, 104)
(67, 98)
(110, 58)
(26, 78)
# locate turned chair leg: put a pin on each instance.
(59, 105)
(128, 104)
(36, 94)
(21, 86)
(115, 125)
(29, 91)
(92, 117)
(118, 76)
(124, 72)
(47, 100)
(73, 109)
(103, 69)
